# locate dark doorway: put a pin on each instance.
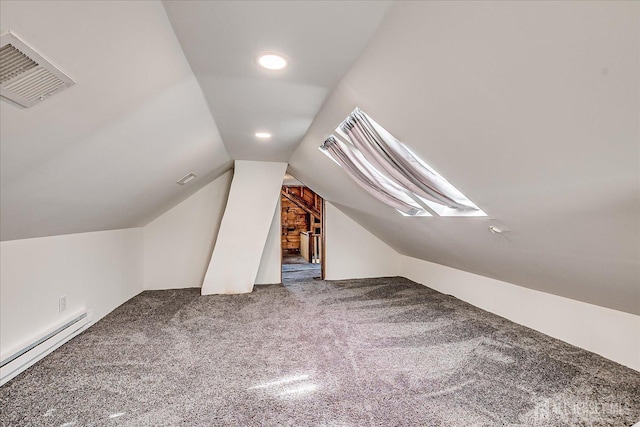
(301, 232)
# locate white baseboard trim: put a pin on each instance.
(16, 361)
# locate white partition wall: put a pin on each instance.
(352, 252)
(178, 243)
(254, 195)
(95, 271)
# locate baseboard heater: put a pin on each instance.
(19, 360)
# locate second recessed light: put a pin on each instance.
(272, 61)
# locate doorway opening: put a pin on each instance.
(302, 232)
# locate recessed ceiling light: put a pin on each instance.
(272, 61)
(263, 135)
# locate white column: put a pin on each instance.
(254, 195)
(271, 264)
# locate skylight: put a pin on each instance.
(406, 176)
(370, 179)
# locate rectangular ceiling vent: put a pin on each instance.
(26, 78)
(186, 179)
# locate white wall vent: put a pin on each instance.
(26, 78)
(186, 179)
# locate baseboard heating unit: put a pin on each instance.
(18, 360)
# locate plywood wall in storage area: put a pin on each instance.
(294, 221)
(301, 212)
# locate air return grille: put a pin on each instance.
(26, 78)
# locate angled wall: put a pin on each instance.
(178, 244)
(247, 220)
(351, 251)
(610, 333)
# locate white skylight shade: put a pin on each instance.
(402, 166)
(376, 184)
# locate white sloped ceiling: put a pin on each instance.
(532, 110)
(222, 40)
(107, 152)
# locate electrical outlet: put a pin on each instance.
(62, 303)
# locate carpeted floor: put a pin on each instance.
(298, 273)
(288, 258)
(296, 269)
(371, 352)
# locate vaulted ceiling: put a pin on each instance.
(107, 152)
(222, 41)
(530, 108)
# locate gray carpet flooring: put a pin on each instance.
(297, 273)
(296, 269)
(371, 352)
(293, 259)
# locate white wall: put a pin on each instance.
(98, 270)
(610, 333)
(247, 219)
(353, 252)
(270, 270)
(178, 244)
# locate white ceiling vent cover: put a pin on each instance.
(26, 78)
